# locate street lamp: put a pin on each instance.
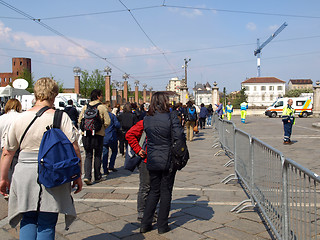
(107, 70)
(136, 82)
(185, 66)
(76, 71)
(125, 76)
(144, 86)
(114, 83)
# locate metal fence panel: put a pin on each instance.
(228, 142)
(303, 202)
(243, 164)
(267, 187)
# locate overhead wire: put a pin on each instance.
(148, 37)
(242, 12)
(58, 33)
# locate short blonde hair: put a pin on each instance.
(13, 104)
(45, 89)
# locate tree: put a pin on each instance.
(238, 98)
(89, 82)
(297, 92)
(60, 84)
(28, 76)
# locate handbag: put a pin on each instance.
(179, 152)
(195, 129)
(132, 160)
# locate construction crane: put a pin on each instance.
(257, 52)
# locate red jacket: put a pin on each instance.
(133, 136)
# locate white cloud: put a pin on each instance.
(251, 26)
(4, 31)
(187, 13)
(273, 27)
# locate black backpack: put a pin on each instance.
(91, 121)
(191, 114)
(179, 152)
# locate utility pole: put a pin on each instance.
(185, 66)
(184, 84)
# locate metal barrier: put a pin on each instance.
(286, 193)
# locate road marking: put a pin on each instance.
(175, 189)
(312, 129)
(93, 200)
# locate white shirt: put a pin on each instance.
(5, 122)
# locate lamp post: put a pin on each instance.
(184, 85)
(114, 93)
(150, 93)
(107, 71)
(125, 87)
(136, 91)
(185, 66)
(144, 92)
(77, 71)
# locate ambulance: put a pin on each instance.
(302, 106)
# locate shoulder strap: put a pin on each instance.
(38, 114)
(143, 138)
(57, 118)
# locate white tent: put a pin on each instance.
(11, 92)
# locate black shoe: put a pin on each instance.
(113, 169)
(145, 229)
(164, 230)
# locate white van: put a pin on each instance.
(302, 106)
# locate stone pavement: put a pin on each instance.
(200, 209)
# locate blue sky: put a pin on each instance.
(217, 35)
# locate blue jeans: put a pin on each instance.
(38, 226)
(114, 149)
(209, 120)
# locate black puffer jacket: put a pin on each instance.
(159, 139)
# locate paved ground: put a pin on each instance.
(200, 209)
(305, 149)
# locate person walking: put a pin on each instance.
(93, 140)
(288, 120)
(162, 128)
(72, 113)
(12, 110)
(210, 113)
(202, 116)
(243, 108)
(110, 141)
(127, 119)
(219, 110)
(190, 118)
(37, 215)
(229, 111)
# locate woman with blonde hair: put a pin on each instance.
(36, 211)
(12, 109)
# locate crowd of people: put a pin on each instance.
(36, 208)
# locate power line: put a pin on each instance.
(144, 32)
(58, 33)
(243, 12)
(98, 13)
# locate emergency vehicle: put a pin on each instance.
(302, 106)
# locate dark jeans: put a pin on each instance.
(114, 148)
(90, 144)
(123, 143)
(161, 185)
(287, 130)
(144, 187)
(202, 122)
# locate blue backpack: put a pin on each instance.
(57, 159)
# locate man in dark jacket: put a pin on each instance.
(110, 140)
(202, 116)
(72, 112)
